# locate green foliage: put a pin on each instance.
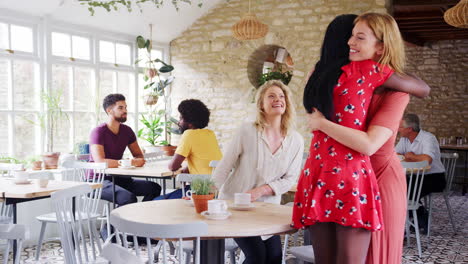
(6, 159)
(202, 186)
(284, 77)
(114, 5)
(154, 127)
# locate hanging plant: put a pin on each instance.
(115, 5)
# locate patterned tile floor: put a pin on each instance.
(443, 246)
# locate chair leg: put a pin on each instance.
(41, 238)
(429, 220)
(187, 257)
(408, 224)
(7, 252)
(18, 250)
(416, 228)
(449, 208)
(285, 248)
(232, 257)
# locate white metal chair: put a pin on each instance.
(12, 232)
(76, 229)
(85, 172)
(6, 211)
(449, 160)
(301, 253)
(415, 172)
(160, 231)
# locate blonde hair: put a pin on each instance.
(287, 119)
(386, 31)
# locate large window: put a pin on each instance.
(80, 66)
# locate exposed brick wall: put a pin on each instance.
(211, 65)
(444, 66)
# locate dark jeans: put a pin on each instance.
(127, 189)
(434, 182)
(257, 251)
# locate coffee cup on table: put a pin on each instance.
(20, 176)
(125, 163)
(217, 207)
(242, 199)
(42, 182)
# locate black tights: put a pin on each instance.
(334, 243)
(258, 251)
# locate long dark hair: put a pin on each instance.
(334, 54)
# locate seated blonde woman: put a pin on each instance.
(265, 157)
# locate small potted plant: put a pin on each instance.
(153, 129)
(34, 162)
(203, 190)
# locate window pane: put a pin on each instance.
(123, 54)
(4, 81)
(142, 107)
(80, 48)
(21, 38)
(25, 135)
(126, 86)
(4, 36)
(84, 92)
(61, 45)
(25, 88)
(4, 140)
(84, 123)
(106, 84)
(106, 51)
(62, 136)
(143, 57)
(61, 80)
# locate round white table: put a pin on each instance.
(264, 219)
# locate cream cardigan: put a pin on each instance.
(252, 164)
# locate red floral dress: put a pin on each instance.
(337, 183)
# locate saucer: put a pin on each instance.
(242, 207)
(223, 216)
(21, 182)
(127, 168)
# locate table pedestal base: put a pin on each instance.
(212, 251)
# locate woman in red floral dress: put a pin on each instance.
(337, 194)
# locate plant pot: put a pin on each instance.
(37, 165)
(50, 160)
(168, 150)
(151, 99)
(152, 149)
(201, 201)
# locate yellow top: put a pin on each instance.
(199, 146)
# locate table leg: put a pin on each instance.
(15, 247)
(212, 251)
(164, 186)
(465, 176)
(113, 192)
(173, 183)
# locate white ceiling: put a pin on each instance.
(167, 22)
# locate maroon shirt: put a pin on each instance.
(114, 145)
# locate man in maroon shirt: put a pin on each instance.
(108, 142)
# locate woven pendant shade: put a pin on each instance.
(249, 27)
(457, 16)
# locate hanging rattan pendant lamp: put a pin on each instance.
(249, 27)
(457, 16)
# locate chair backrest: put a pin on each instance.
(13, 232)
(184, 178)
(6, 169)
(450, 161)
(213, 163)
(75, 228)
(83, 157)
(159, 231)
(415, 172)
(93, 172)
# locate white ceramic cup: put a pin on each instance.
(217, 207)
(20, 176)
(242, 198)
(42, 182)
(125, 163)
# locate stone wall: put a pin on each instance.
(211, 65)
(444, 66)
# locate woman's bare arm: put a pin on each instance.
(408, 83)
